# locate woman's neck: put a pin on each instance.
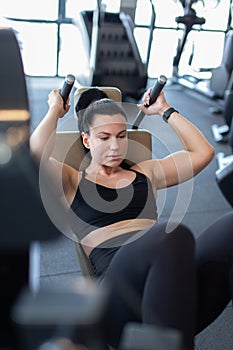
(102, 170)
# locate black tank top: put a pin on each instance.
(97, 206)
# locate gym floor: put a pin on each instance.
(201, 200)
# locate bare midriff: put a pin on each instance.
(103, 234)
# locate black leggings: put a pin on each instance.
(171, 280)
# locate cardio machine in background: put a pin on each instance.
(224, 174)
(112, 49)
(211, 82)
(219, 88)
(224, 133)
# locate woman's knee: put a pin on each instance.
(181, 240)
(216, 242)
(180, 235)
(178, 242)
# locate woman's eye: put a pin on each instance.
(104, 138)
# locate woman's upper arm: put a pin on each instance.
(63, 175)
(174, 169)
(178, 167)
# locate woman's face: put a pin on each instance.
(107, 139)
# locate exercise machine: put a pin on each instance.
(222, 133)
(33, 318)
(189, 19)
(225, 162)
(224, 178)
(216, 86)
(114, 56)
(24, 221)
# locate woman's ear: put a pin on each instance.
(85, 138)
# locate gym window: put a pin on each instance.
(52, 44)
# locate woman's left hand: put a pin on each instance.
(158, 107)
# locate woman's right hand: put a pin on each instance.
(56, 103)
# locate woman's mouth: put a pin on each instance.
(115, 156)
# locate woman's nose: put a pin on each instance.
(114, 144)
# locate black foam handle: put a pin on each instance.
(157, 88)
(67, 86)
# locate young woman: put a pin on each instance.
(153, 277)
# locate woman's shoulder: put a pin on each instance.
(72, 181)
(69, 176)
(145, 167)
(150, 168)
(67, 170)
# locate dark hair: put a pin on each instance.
(102, 107)
(95, 101)
(87, 97)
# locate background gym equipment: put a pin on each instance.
(114, 55)
(23, 217)
(138, 336)
(221, 75)
(221, 132)
(189, 19)
(219, 81)
(224, 178)
(73, 312)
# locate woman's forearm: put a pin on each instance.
(191, 137)
(43, 138)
